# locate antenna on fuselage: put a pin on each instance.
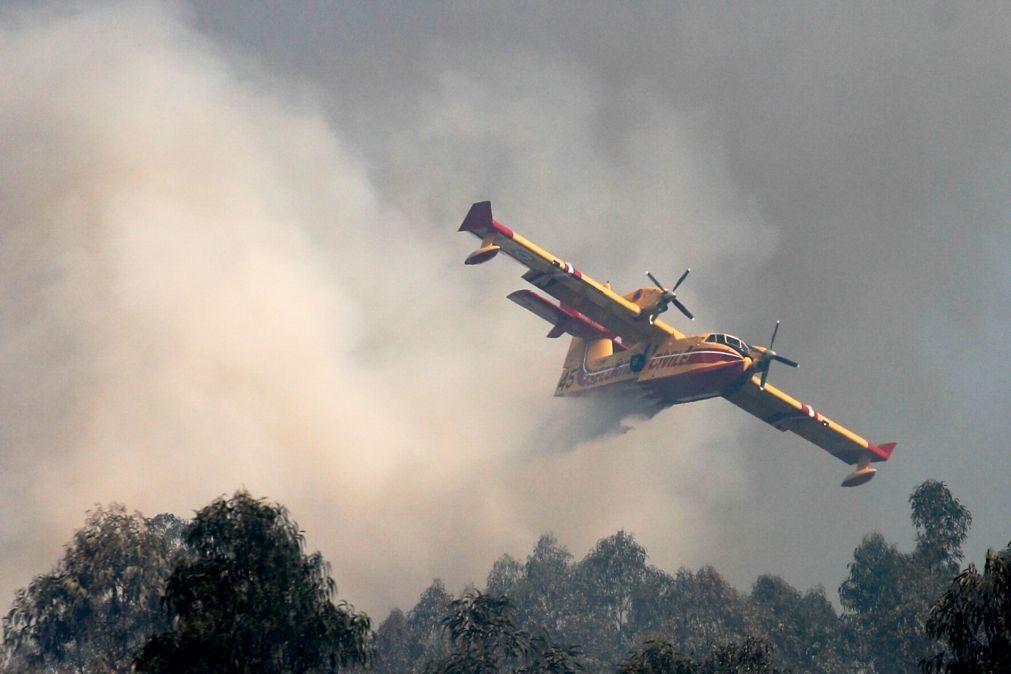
(669, 297)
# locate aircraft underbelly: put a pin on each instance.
(667, 385)
(696, 383)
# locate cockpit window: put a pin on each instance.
(734, 343)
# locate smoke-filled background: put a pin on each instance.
(228, 257)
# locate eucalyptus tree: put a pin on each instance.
(486, 640)
(248, 599)
(888, 593)
(657, 656)
(102, 600)
(804, 629)
(942, 524)
(972, 620)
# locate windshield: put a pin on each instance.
(734, 343)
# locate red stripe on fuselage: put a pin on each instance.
(715, 372)
(686, 358)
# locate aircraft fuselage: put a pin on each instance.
(679, 370)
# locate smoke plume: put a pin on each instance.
(228, 258)
(203, 289)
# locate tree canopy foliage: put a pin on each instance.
(752, 656)
(247, 599)
(972, 620)
(234, 591)
(101, 602)
(942, 523)
(485, 640)
(888, 593)
(622, 611)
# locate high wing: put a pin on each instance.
(563, 318)
(560, 279)
(788, 414)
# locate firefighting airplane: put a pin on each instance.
(619, 345)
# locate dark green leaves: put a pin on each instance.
(248, 599)
(485, 639)
(102, 601)
(973, 620)
(942, 523)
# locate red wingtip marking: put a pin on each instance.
(502, 229)
(883, 451)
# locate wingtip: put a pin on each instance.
(478, 218)
(882, 451)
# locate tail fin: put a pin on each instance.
(574, 356)
(582, 352)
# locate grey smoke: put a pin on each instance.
(229, 258)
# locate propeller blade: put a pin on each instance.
(655, 282)
(774, 332)
(681, 280)
(668, 297)
(785, 361)
(768, 356)
(676, 302)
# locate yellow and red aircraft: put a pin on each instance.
(619, 345)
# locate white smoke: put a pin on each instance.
(201, 288)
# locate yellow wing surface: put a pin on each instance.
(788, 414)
(558, 278)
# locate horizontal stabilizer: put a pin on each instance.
(565, 319)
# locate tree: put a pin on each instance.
(483, 634)
(750, 656)
(606, 584)
(875, 576)
(942, 523)
(103, 599)
(657, 656)
(889, 593)
(611, 574)
(544, 598)
(425, 621)
(405, 643)
(702, 609)
(804, 629)
(485, 639)
(505, 576)
(249, 600)
(973, 620)
(396, 648)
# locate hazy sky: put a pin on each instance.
(228, 257)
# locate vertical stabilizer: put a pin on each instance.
(574, 357)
